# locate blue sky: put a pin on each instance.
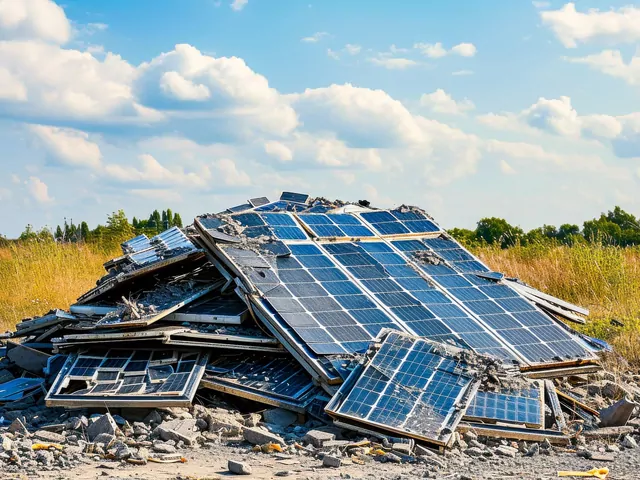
(518, 109)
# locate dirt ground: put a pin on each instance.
(211, 463)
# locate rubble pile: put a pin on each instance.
(319, 333)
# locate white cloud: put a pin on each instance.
(523, 151)
(395, 50)
(333, 54)
(441, 102)
(232, 99)
(15, 179)
(391, 63)
(540, 4)
(174, 84)
(33, 20)
(233, 177)
(5, 194)
(352, 49)
(315, 38)
(360, 116)
(555, 115)
(11, 88)
(238, 5)
(573, 27)
(459, 73)
(436, 50)
(69, 147)
(506, 168)
(151, 172)
(38, 190)
(464, 49)
(279, 151)
(610, 62)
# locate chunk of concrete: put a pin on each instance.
(104, 424)
(506, 451)
(331, 461)
(629, 442)
(239, 468)
(17, 426)
(617, 414)
(318, 437)
(49, 437)
(260, 436)
(280, 417)
(177, 430)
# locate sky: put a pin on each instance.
(528, 111)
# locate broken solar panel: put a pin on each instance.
(334, 297)
(125, 378)
(521, 404)
(517, 322)
(274, 380)
(410, 387)
(212, 308)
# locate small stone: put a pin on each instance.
(259, 436)
(202, 425)
(533, 450)
(279, 416)
(44, 457)
(318, 437)
(612, 448)
(392, 457)
(546, 444)
(179, 430)
(506, 451)
(470, 435)
(584, 454)
(477, 444)
(161, 447)
(18, 427)
(154, 418)
(629, 442)
(331, 461)
(104, 424)
(238, 468)
(105, 439)
(49, 437)
(473, 452)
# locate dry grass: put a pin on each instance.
(37, 277)
(604, 279)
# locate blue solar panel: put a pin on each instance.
(396, 222)
(520, 406)
(294, 197)
(407, 386)
(277, 225)
(335, 225)
(502, 309)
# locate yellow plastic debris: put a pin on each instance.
(271, 447)
(46, 446)
(594, 472)
(378, 451)
(168, 460)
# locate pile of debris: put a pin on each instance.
(372, 325)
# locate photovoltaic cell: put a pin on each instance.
(503, 310)
(276, 225)
(408, 387)
(513, 405)
(335, 225)
(397, 222)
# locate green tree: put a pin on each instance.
(59, 234)
(567, 233)
(602, 230)
(177, 220)
(84, 231)
(119, 225)
(497, 231)
(169, 218)
(463, 235)
(134, 223)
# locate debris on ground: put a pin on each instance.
(310, 332)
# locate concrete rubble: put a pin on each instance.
(219, 360)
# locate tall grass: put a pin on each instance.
(604, 279)
(38, 276)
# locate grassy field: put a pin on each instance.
(35, 278)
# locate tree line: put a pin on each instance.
(616, 227)
(117, 228)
